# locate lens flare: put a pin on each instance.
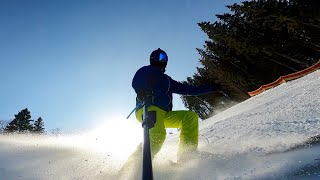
(116, 137)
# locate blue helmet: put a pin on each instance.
(159, 58)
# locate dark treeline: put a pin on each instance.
(254, 44)
(22, 123)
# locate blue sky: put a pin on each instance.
(72, 62)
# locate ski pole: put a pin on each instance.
(137, 107)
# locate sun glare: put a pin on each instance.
(117, 137)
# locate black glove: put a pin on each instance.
(216, 87)
(141, 95)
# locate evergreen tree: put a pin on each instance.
(3, 125)
(11, 127)
(56, 131)
(254, 44)
(21, 122)
(38, 126)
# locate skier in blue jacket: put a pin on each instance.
(152, 81)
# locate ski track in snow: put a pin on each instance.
(251, 140)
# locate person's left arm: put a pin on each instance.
(186, 89)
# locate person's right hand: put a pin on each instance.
(141, 95)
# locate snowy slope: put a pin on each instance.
(252, 140)
(258, 139)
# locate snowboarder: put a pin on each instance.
(152, 81)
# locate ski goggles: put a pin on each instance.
(163, 57)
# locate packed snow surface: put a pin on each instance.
(259, 138)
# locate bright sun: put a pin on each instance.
(117, 137)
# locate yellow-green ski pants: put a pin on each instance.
(186, 120)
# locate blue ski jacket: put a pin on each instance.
(149, 80)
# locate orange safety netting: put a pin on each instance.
(285, 78)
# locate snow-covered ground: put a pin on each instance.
(261, 138)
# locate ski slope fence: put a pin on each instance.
(283, 79)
